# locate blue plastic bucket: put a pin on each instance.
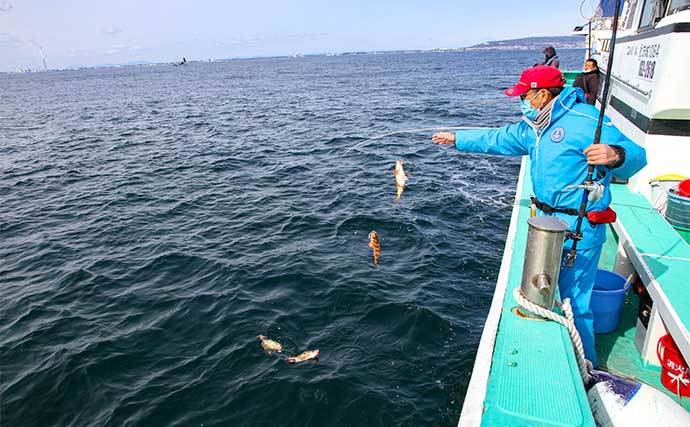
(607, 300)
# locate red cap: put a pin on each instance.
(539, 77)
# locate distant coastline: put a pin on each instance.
(525, 43)
(531, 43)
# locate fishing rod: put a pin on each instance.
(576, 235)
(373, 138)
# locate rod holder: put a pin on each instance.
(545, 237)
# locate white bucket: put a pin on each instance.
(660, 187)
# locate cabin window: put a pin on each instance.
(678, 5)
(649, 12)
(629, 13)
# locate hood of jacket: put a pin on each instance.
(556, 108)
(565, 102)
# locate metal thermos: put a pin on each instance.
(543, 254)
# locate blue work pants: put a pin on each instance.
(577, 284)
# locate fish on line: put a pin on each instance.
(401, 179)
(375, 246)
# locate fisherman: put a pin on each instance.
(588, 80)
(556, 131)
(550, 57)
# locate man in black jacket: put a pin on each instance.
(588, 80)
(550, 57)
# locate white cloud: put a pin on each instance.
(122, 48)
(9, 40)
(5, 6)
(111, 30)
(78, 52)
(254, 40)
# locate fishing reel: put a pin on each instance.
(595, 190)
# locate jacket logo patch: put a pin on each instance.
(558, 134)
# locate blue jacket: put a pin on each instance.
(557, 156)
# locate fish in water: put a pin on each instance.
(270, 345)
(307, 355)
(400, 179)
(375, 246)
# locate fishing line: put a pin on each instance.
(576, 235)
(373, 138)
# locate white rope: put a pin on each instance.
(678, 379)
(373, 138)
(567, 321)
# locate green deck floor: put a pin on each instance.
(534, 379)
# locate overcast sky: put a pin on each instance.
(92, 32)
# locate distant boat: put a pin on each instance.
(183, 62)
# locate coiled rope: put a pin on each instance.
(567, 321)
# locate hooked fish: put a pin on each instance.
(400, 179)
(270, 345)
(307, 355)
(375, 246)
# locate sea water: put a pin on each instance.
(154, 220)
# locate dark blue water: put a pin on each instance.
(155, 220)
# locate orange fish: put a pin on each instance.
(307, 355)
(375, 246)
(400, 179)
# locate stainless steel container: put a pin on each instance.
(545, 238)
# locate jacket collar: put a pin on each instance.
(565, 102)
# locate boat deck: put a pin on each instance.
(525, 372)
(534, 379)
(615, 349)
(661, 258)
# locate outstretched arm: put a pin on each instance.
(505, 141)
